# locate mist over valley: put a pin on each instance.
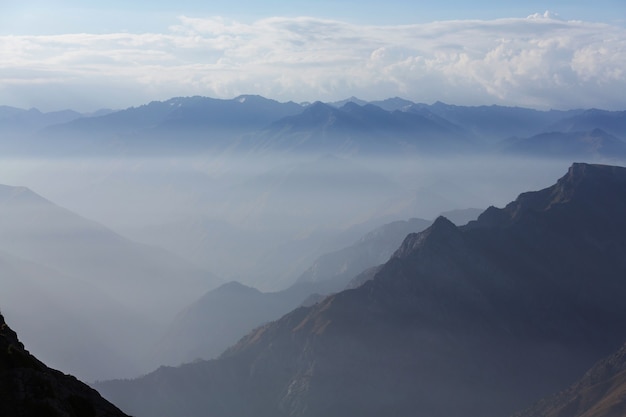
(168, 233)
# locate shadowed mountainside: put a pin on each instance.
(28, 388)
(221, 316)
(479, 320)
(601, 392)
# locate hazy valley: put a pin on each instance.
(283, 251)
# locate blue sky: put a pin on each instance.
(92, 54)
(58, 16)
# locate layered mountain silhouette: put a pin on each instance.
(250, 123)
(38, 230)
(613, 122)
(479, 320)
(375, 248)
(221, 316)
(100, 284)
(365, 129)
(14, 120)
(28, 388)
(494, 123)
(67, 321)
(596, 143)
(181, 124)
(282, 219)
(601, 392)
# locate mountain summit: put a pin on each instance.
(479, 320)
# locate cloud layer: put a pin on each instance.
(539, 61)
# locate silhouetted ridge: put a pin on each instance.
(316, 112)
(472, 321)
(583, 185)
(441, 229)
(28, 388)
(237, 288)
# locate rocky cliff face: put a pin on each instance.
(28, 388)
(479, 320)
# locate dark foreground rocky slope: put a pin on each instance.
(601, 392)
(28, 388)
(479, 320)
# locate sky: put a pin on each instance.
(87, 55)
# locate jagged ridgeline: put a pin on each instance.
(473, 321)
(28, 388)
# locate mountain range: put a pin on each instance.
(595, 143)
(477, 320)
(256, 124)
(273, 197)
(366, 129)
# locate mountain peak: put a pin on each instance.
(580, 170)
(583, 185)
(587, 182)
(352, 99)
(318, 110)
(20, 194)
(441, 229)
(235, 287)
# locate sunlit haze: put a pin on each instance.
(320, 208)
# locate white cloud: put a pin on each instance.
(539, 61)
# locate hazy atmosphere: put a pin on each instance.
(198, 196)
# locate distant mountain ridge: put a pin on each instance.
(469, 321)
(596, 142)
(13, 119)
(361, 129)
(221, 316)
(187, 120)
(613, 122)
(252, 122)
(74, 270)
(372, 249)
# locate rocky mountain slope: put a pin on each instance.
(479, 320)
(601, 392)
(28, 388)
